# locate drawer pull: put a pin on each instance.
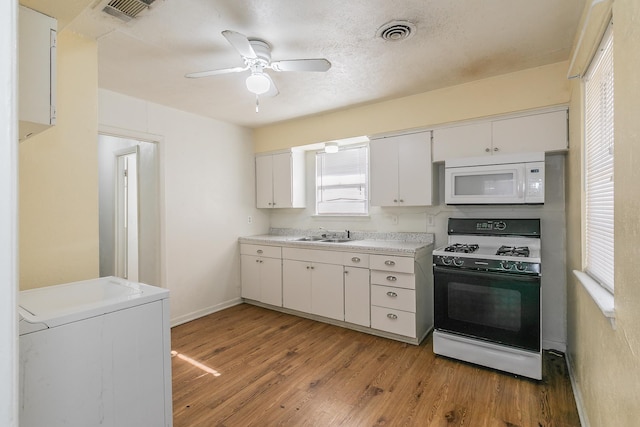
(259, 251)
(392, 278)
(392, 316)
(392, 294)
(355, 259)
(389, 262)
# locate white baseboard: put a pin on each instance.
(577, 395)
(204, 312)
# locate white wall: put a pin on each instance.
(207, 193)
(417, 219)
(8, 207)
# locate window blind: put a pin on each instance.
(599, 142)
(342, 182)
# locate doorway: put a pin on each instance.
(129, 209)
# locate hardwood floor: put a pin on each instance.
(249, 366)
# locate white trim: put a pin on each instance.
(577, 394)
(603, 298)
(204, 312)
(8, 215)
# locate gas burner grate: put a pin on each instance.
(460, 247)
(521, 251)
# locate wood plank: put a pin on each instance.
(272, 368)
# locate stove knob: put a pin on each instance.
(504, 264)
(520, 266)
(445, 260)
(500, 225)
(458, 262)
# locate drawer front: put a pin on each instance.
(398, 280)
(391, 263)
(394, 321)
(313, 255)
(400, 299)
(261, 250)
(351, 259)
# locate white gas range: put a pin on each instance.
(487, 294)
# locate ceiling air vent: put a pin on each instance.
(394, 31)
(126, 9)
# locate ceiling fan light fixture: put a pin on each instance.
(331, 147)
(258, 83)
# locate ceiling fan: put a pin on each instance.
(256, 54)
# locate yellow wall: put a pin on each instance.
(58, 177)
(528, 89)
(606, 361)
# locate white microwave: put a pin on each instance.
(497, 179)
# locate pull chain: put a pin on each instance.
(257, 104)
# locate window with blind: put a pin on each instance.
(599, 142)
(342, 182)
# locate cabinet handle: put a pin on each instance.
(486, 150)
(401, 200)
(355, 259)
(496, 149)
(395, 200)
(392, 316)
(346, 272)
(257, 260)
(308, 267)
(392, 294)
(392, 278)
(270, 203)
(389, 262)
(259, 251)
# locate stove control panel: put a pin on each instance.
(481, 264)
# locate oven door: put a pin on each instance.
(495, 307)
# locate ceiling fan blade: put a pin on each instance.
(301, 65)
(273, 89)
(215, 72)
(240, 42)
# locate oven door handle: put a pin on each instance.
(532, 278)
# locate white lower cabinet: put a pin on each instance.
(311, 286)
(357, 305)
(391, 296)
(401, 295)
(261, 273)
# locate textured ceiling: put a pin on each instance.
(455, 42)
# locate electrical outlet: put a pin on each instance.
(394, 219)
(249, 219)
(431, 220)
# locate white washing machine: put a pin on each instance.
(95, 353)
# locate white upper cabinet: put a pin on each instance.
(401, 170)
(280, 180)
(36, 72)
(546, 131)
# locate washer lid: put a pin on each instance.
(60, 304)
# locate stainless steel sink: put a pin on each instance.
(311, 239)
(336, 240)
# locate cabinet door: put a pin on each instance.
(356, 296)
(271, 281)
(282, 180)
(383, 166)
(264, 181)
(327, 290)
(415, 178)
(470, 140)
(296, 285)
(538, 132)
(250, 277)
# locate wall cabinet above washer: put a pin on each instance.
(36, 72)
(544, 131)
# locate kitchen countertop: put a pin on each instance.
(400, 244)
